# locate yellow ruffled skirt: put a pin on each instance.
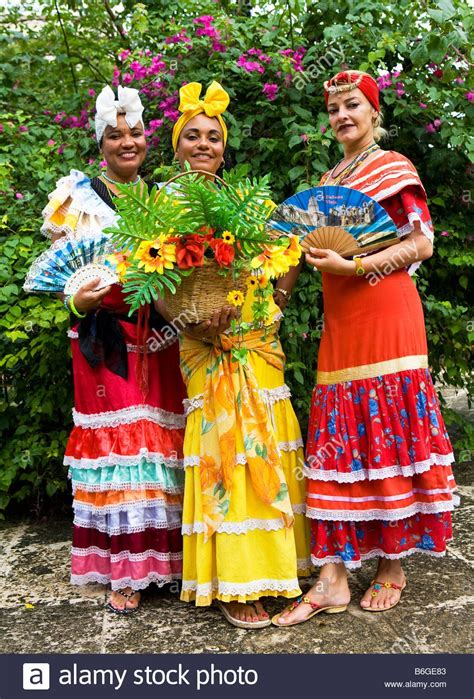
(252, 554)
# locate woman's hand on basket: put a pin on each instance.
(86, 299)
(209, 329)
(329, 261)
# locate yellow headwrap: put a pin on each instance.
(215, 102)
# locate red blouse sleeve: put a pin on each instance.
(408, 206)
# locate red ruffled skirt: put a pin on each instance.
(126, 466)
(378, 456)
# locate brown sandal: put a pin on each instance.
(331, 609)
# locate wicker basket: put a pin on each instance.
(203, 292)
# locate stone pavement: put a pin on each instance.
(40, 612)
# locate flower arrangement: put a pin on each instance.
(194, 226)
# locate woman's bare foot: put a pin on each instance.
(385, 597)
(331, 590)
(124, 599)
(250, 612)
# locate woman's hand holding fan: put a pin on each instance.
(338, 219)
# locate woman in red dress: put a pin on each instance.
(125, 450)
(378, 469)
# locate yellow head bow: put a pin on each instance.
(215, 102)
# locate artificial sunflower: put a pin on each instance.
(228, 237)
(156, 255)
(235, 298)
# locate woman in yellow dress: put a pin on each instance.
(244, 530)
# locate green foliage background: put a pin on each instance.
(53, 53)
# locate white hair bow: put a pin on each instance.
(107, 108)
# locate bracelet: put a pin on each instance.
(74, 309)
(66, 301)
(359, 270)
(283, 292)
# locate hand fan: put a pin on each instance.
(72, 262)
(335, 218)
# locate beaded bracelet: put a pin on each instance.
(66, 302)
(283, 292)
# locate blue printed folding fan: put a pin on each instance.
(335, 218)
(72, 262)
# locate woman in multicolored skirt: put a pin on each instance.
(379, 459)
(125, 450)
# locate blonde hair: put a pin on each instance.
(380, 133)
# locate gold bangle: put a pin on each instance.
(359, 270)
(74, 309)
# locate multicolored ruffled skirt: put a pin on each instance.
(125, 463)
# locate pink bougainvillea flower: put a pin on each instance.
(384, 81)
(437, 123)
(91, 92)
(2, 128)
(323, 129)
(18, 195)
(459, 80)
(123, 55)
(304, 137)
(422, 105)
(91, 161)
(218, 47)
(429, 128)
(51, 143)
(103, 163)
(23, 128)
(444, 234)
(60, 150)
(469, 96)
(127, 78)
(270, 90)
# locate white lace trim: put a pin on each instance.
(234, 589)
(151, 347)
(425, 508)
(299, 508)
(376, 553)
(107, 487)
(127, 556)
(291, 446)
(191, 404)
(116, 530)
(126, 506)
(121, 460)
(141, 584)
(236, 527)
(241, 459)
(125, 416)
(270, 396)
(379, 473)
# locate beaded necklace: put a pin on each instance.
(350, 167)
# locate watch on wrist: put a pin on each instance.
(359, 270)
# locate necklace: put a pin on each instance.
(109, 179)
(351, 166)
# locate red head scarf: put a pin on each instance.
(350, 80)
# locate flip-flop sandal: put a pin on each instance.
(316, 609)
(126, 610)
(239, 623)
(378, 585)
